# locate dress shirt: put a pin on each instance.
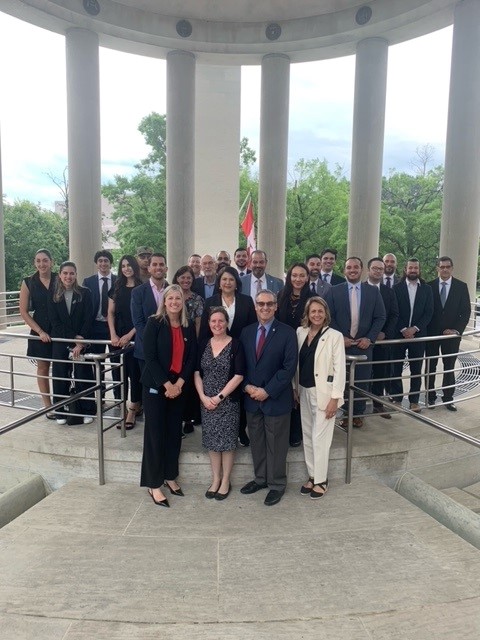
(99, 316)
(359, 294)
(254, 286)
(374, 284)
(412, 292)
(386, 280)
(267, 326)
(230, 310)
(314, 287)
(447, 288)
(327, 277)
(158, 295)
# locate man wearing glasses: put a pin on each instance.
(271, 360)
(143, 256)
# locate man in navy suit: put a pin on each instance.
(329, 258)
(358, 312)
(271, 355)
(240, 258)
(99, 285)
(381, 370)
(415, 306)
(258, 279)
(146, 299)
(451, 312)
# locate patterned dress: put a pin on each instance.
(219, 427)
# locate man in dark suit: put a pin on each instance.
(415, 306)
(205, 285)
(240, 258)
(271, 355)
(329, 258)
(317, 286)
(258, 279)
(381, 370)
(451, 312)
(358, 312)
(146, 299)
(99, 285)
(390, 278)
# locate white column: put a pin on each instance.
(461, 194)
(84, 177)
(217, 144)
(367, 148)
(272, 197)
(180, 157)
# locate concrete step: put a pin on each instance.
(462, 496)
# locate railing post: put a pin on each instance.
(98, 394)
(123, 406)
(12, 383)
(351, 380)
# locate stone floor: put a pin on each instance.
(94, 561)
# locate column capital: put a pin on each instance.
(276, 55)
(176, 52)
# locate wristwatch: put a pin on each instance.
(221, 396)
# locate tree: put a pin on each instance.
(62, 183)
(28, 228)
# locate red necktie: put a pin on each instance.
(261, 341)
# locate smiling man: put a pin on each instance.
(258, 279)
(271, 361)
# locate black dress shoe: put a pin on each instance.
(244, 440)
(296, 444)
(252, 487)
(451, 407)
(222, 496)
(188, 426)
(273, 497)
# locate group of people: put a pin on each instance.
(234, 348)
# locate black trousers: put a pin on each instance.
(162, 437)
(132, 376)
(81, 370)
(415, 350)
(447, 347)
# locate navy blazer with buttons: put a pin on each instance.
(273, 371)
(92, 283)
(372, 311)
(143, 305)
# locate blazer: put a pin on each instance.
(237, 364)
(273, 371)
(143, 305)
(76, 323)
(335, 279)
(157, 342)
(244, 315)
(321, 287)
(198, 286)
(372, 311)
(456, 312)
(329, 361)
(391, 309)
(273, 284)
(422, 308)
(92, 283)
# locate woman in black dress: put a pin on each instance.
(291, 306)
(220, 370)
(122, 331)
(170, 350)
(34, 293)
(71, 314)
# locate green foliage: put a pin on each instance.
(28, 228)
(247, 154)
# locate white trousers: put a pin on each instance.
(317, 435)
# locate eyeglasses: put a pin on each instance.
(266, 304)
(377, 268)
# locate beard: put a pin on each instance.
(413, 276)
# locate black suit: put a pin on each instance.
(163, 416)
(334, 279)
(421, 316)
(454, 315)
(68, 325)
(244, 315)
(382, 371)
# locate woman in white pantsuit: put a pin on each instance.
(320, 382)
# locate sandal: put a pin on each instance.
(305, 491)
(314, 495)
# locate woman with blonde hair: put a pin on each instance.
(320, 382)
(170, 347)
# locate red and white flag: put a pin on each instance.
(248, 228)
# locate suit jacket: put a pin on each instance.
(329, 361)
(321, 287)
(335, 279)
(456, 312)
(273, 371)
(76, 323)
(372, 311)
(157, 341)
(244, 315)
(92, 283)
(396, 280)
(198, 286)
(422, 308)
(391, 309)
(273, 284)
(143, 305)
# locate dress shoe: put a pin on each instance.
(222, 496)
(415, 407)
(273, 497)
(160, 503)
(382, 412)
(188, 426)
(252, 487)
(210, 494)
(296, 444)
(174, 492)
(244, 440)
(358, 423)
(451, 407)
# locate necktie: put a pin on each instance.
(324, 277)
(443, 293)
(242, 273)
(104, 302)
(354, 313)
(389, 282)
(261, 341)
(314, 290)
(259, 286)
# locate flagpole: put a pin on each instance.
(244, 203)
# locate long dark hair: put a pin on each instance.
(121, 280)
(286, 292)
(60, 289)
(181, 271)
(231, 271)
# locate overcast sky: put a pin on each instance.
(33, 107)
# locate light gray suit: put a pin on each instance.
(321, 287)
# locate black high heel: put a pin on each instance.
(174, 492)
(161, 503)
